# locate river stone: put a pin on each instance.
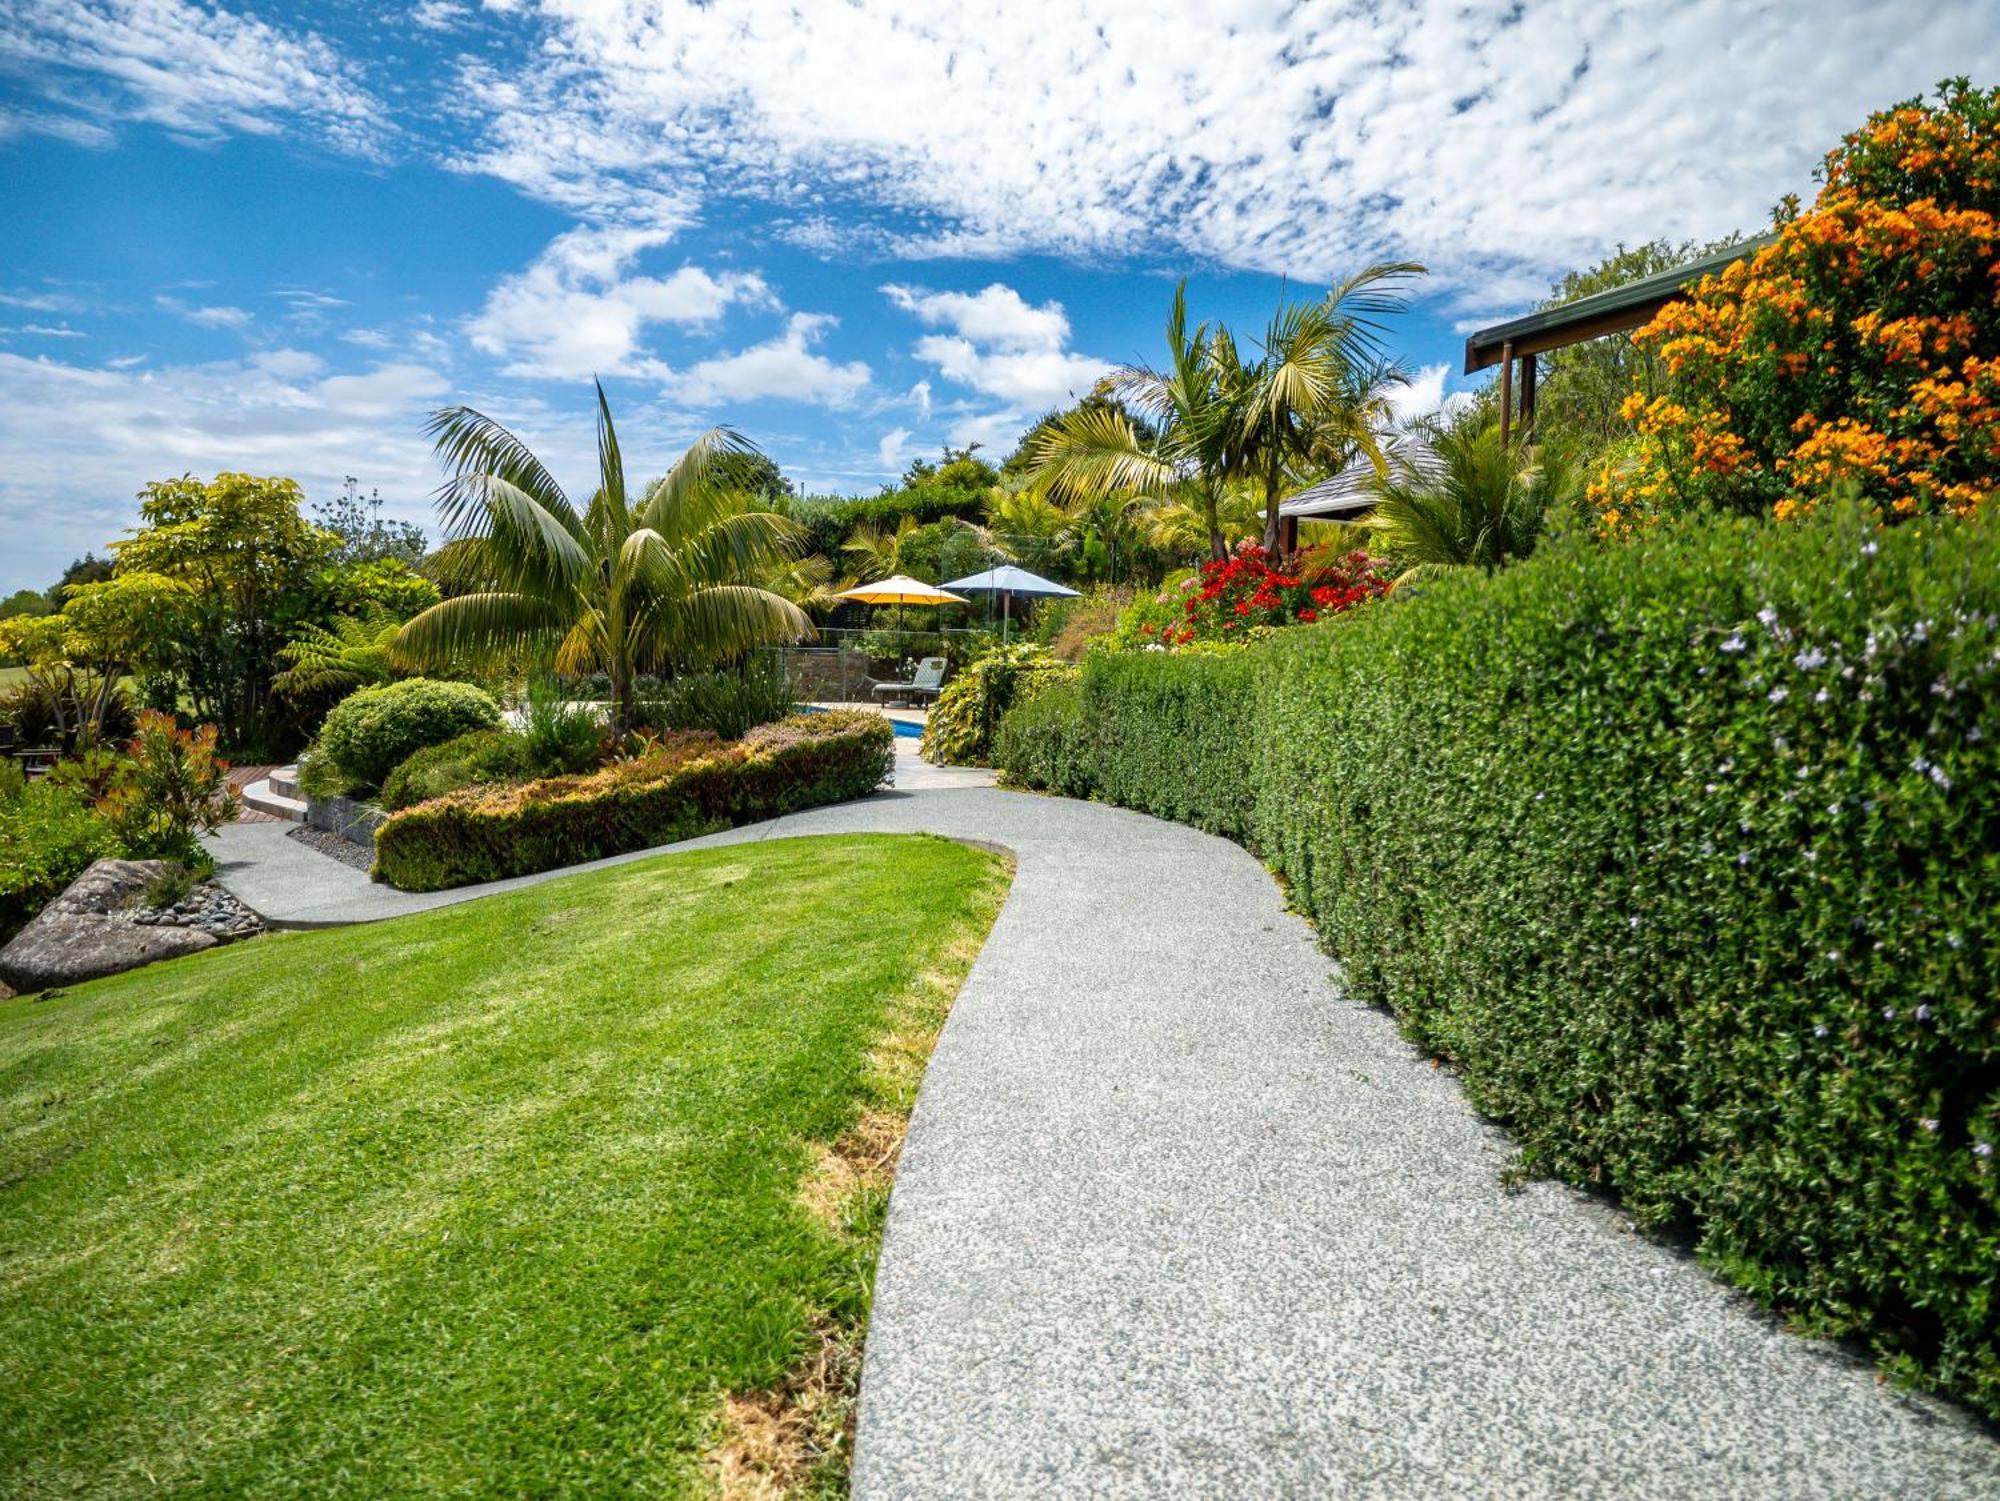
(84, 934)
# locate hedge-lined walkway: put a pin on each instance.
(1176, 1219)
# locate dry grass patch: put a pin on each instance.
(797, 1439)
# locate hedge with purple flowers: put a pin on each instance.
(1686, 854)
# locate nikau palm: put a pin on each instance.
(1318, 397)
(1475, 502)
(1098, 453)
(669, 580)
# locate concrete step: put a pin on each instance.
(285, 781)
(265, 798)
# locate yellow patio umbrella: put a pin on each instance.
(901, 590)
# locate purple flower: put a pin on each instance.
(1734, 643)
(1808, 659)
(1779, 694)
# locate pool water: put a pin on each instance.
(902, 727)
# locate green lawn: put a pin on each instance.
(500, 1199)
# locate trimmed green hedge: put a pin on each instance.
(689, 785)
(469, 760)
(1042, 739)
(1687, 855)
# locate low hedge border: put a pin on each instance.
(691, 784)
(1686, 853)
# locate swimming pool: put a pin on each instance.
(903, 727)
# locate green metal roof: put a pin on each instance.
(1601, 312)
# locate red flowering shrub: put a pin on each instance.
(1233, 597)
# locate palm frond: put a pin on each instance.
(695, 491)
(479, 626)
(472, 446)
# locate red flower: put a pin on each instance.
(1308, 616)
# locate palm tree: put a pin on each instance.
(879, 553)
(670, 581)
(1318, 396)
(1098, 453)
(1478, 503)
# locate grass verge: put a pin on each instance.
(545, 1193)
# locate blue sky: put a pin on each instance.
(274, 237)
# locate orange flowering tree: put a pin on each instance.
(1859, 353)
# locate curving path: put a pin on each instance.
(1175, 1218)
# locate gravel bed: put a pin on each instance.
(207, 908)
(346, 851)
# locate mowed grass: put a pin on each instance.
(497, 1200)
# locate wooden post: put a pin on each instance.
(1506, 391)
(1527, 398)
(1288, 536)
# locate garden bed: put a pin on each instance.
(687, 785)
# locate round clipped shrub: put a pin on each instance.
(474, 759)
(370, 733)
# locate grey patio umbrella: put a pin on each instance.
(1008, 581)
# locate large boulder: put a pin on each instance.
(100, 926)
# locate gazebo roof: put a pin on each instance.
(1351, 490)
(1601, 313)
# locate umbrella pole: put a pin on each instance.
(1006, 613)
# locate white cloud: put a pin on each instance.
(998, 315)
(784, 369)
(893, 452)
(578, 310)
(220, 316)
(200, 72)
(1479, 135)
(1002, 347)
(438, 15)
(47, 331)
(81, 440)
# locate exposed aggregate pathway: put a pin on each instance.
(1176, 1218)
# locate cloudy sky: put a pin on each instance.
(272, 237)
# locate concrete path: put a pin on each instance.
(1176, 1219)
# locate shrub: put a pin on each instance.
(561, 737)
(959, 730)
(476, 758)
(689, 785)
(1041, 742)
(30, 706)
(729, 703)
(1862, 349)
(1245, 596)
(369, 733)
(1684, 853)
(48, 837)
(1171, 734)
(173, 788)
